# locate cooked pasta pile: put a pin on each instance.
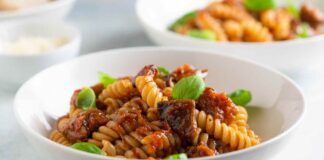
(156, 114)
(250, 21)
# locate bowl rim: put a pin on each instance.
(44, 139)
(76, 38)
(34, 9)
(142, 18)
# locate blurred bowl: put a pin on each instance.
(56, 9)
(156, 16)
(16, 69)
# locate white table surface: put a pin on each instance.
(107, 24)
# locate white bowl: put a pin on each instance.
(45, 97)
(156, 16)
(57, 9)
(14, 69)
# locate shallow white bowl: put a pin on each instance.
(45, 97)
(156, 16)
(14, 69)
(57, 9)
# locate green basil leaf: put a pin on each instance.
(181, 156)
(88, 147)
(106, 79)
(86, 98)
(183, 20)
(202, 34)
(259, 5)
(241, 97)
(163, 71)
(303, 30)
(188, 88)
(292, 8)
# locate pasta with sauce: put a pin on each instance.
(250, 21)
(155, 114)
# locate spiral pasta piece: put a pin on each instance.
(152, 114)
(58, 137)
(150, 92)
(255, 32)
(62, 123)
(234, 30)
(135, 104)
(156, 125)
(128, 142)
(112, 105)
(224, 149)
(278, 21)
(229, 12)
(206, 22)
(227, 134)
(74, 111)
(241, 117)
(140, 153)
(246, 130)
(110, 132)
(119, 89)
(205, 139)
(157, 144)
(161, 140)
(108, 148)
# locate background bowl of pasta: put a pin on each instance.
(158, 19)
(275, 111)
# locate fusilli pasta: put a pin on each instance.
(140, 118)
(227, 134)
(135, 104)
(110, 132)
(207, 22)
(108, 148)
(229, 12)
(239, 20)
(255, 32)
(241, 117)
(234, 30)
(74, 111)
(112, 104)
(149, 90)
(119, 89)
(58, 137)
(278, 21)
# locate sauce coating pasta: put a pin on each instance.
(140, 117)
(235, 20)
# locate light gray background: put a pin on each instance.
(107, 24)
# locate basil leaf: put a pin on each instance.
(88, 147)
(106, 79)
(86, 98)
(202, 34)
(163, 71)
(259, 5)
(181, 156)
(292, 8)
(241, 97)
(303, 30)
(183, 20)
(188, 88)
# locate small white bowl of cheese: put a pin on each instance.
(28, 47)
